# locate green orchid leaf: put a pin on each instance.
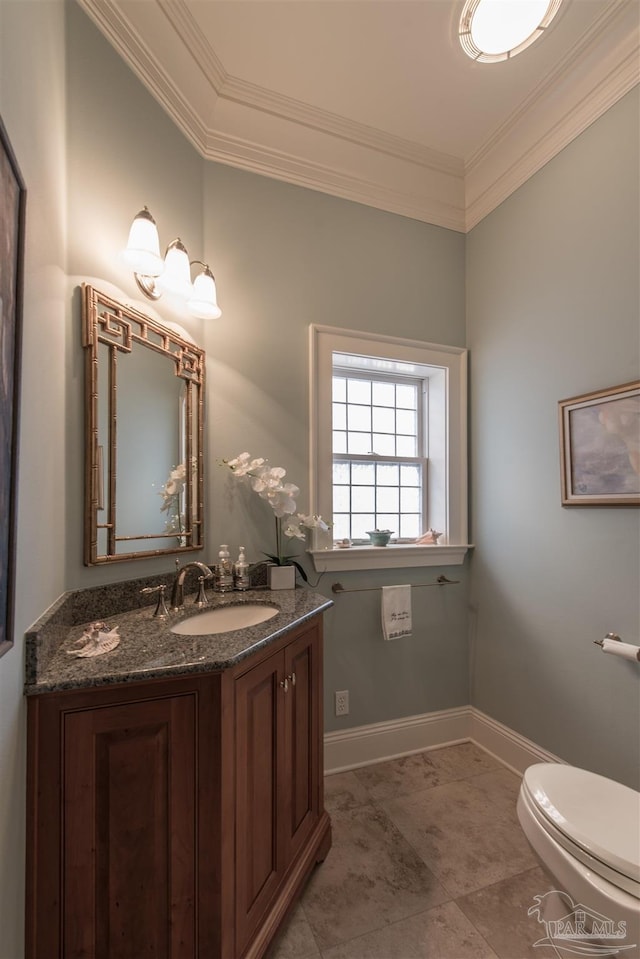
(300, 570)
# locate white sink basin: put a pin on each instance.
(225, 618)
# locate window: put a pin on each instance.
(388, 447)
(379, 462)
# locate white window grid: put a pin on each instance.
(379, 443)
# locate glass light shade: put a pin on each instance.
(142, 252)
(203, 302)
(498, 25)
(176, 277)
(494, 30)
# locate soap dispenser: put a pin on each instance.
(241, 572)
(224, 572)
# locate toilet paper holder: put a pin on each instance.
(600, 642)
(612, 643)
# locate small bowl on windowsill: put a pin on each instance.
(380, 537)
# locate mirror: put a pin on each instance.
(144, 393)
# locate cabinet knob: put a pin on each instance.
(292, 679)
(285, 683)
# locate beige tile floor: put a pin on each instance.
(428, 862)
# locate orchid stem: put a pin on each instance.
(278, 540)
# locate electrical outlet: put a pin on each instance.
(342, 702)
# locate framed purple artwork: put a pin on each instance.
(600, 447)
(12, 214)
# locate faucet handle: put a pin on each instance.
(161, 610)
(201, 600)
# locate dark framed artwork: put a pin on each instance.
(12, 212)
(600, 447)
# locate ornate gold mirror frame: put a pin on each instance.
(144, 400)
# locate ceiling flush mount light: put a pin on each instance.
(156, 276)
(494, 30)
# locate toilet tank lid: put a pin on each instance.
(598, 814)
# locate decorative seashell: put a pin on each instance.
(432, 536)
(95, 641)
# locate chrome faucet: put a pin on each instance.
(177, 593)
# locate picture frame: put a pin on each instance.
(600, 447)
(12, 221)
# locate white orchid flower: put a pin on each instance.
(239, 461)
(313, 521)
(268, 482)
(267, 478)
(282, 499)
(171, 493)
(293, 529)
(243, 464)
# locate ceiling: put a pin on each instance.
(374, 100)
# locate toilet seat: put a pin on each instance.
(595, 819)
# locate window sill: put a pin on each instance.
(387, 557)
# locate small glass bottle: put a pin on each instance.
(224, 574)
(241, 572)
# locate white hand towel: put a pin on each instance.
(396, 611)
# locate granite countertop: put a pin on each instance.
(148, 649)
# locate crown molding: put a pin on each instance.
(179, 16)
(558, 79)
(240, 105)
(602, 67)
(243, 125)
(249, 94)
(128, 42)
(575, 121)
(268, 101)
(290, 168)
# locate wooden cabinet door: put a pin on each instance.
(300, 787)
(259, 703)
(129, 827)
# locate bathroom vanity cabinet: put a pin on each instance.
(176, 817)
(278, 781)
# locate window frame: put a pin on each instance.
(447, 431)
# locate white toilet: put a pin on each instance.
(585, 830)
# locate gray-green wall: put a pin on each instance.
(94, 146)
(287, 257)
(553, 312)
(284, 258)
(33, 109)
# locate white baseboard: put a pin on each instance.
(364, 745)
(379, 742)
(513, 750)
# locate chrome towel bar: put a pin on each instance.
(441, 581)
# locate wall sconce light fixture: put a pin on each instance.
(172, 274)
